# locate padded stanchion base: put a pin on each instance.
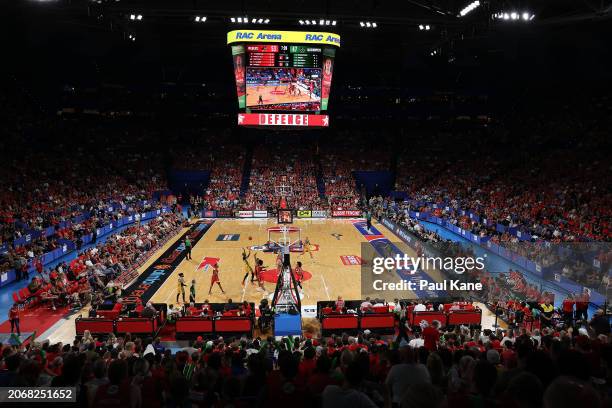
(287, 325)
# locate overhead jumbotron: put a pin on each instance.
(283, 78)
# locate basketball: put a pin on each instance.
(250, 238)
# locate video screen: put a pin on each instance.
(286, 77)
(283, 88)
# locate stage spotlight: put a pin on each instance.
(233, 19)
(334, 22)
(200, 19)
(470, 7)
(307, 22)
(301, 22)
(368, 24)
(514, 16)
(266, 21)
(421, 27)
(427, 27)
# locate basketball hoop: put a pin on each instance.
(284, 235)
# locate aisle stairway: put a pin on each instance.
(246, 171)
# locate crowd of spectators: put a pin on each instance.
(104, 267)
(278, 171)
(421, 367)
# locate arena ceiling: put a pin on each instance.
(71, 38)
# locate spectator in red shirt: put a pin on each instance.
(13, 316)
(431, 336)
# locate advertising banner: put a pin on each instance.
(244, 214)
(224, 214)
(277, 36)
(346, 213)
(283, 119)
(239, 73)
(319, 214)
(328, 69)
(260, 214)
(304, 214)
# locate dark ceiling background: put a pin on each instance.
(48, 44)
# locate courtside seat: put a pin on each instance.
(95, 325)
(339, 323)
(429, 316)
(193, 326)
(378, 322)
(465, 317)
(239, 325)
(381, 309)
(136, 325)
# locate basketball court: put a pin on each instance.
(333, 270)
(273, 94)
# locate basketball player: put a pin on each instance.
(259, 269)
(306, 247)
(299, 273)
(247, 266)
(215, 279)
(260, 101)
(181, 287)
(368, 220)
(192, 291)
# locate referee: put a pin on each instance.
(368, 220)
(188, 248)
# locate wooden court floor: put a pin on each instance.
(330, 277)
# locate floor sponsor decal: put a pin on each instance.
(386, 248)
(336, 235)
(207, 263)
(349, 260)
(228, 237)
(149, 281)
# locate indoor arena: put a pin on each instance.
(391, 204)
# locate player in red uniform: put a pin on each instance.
(299, 274)
(215, 279)
(259, 269)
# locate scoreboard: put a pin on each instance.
(288, 56)
(283, 78)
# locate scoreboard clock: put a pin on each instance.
(285, 216)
